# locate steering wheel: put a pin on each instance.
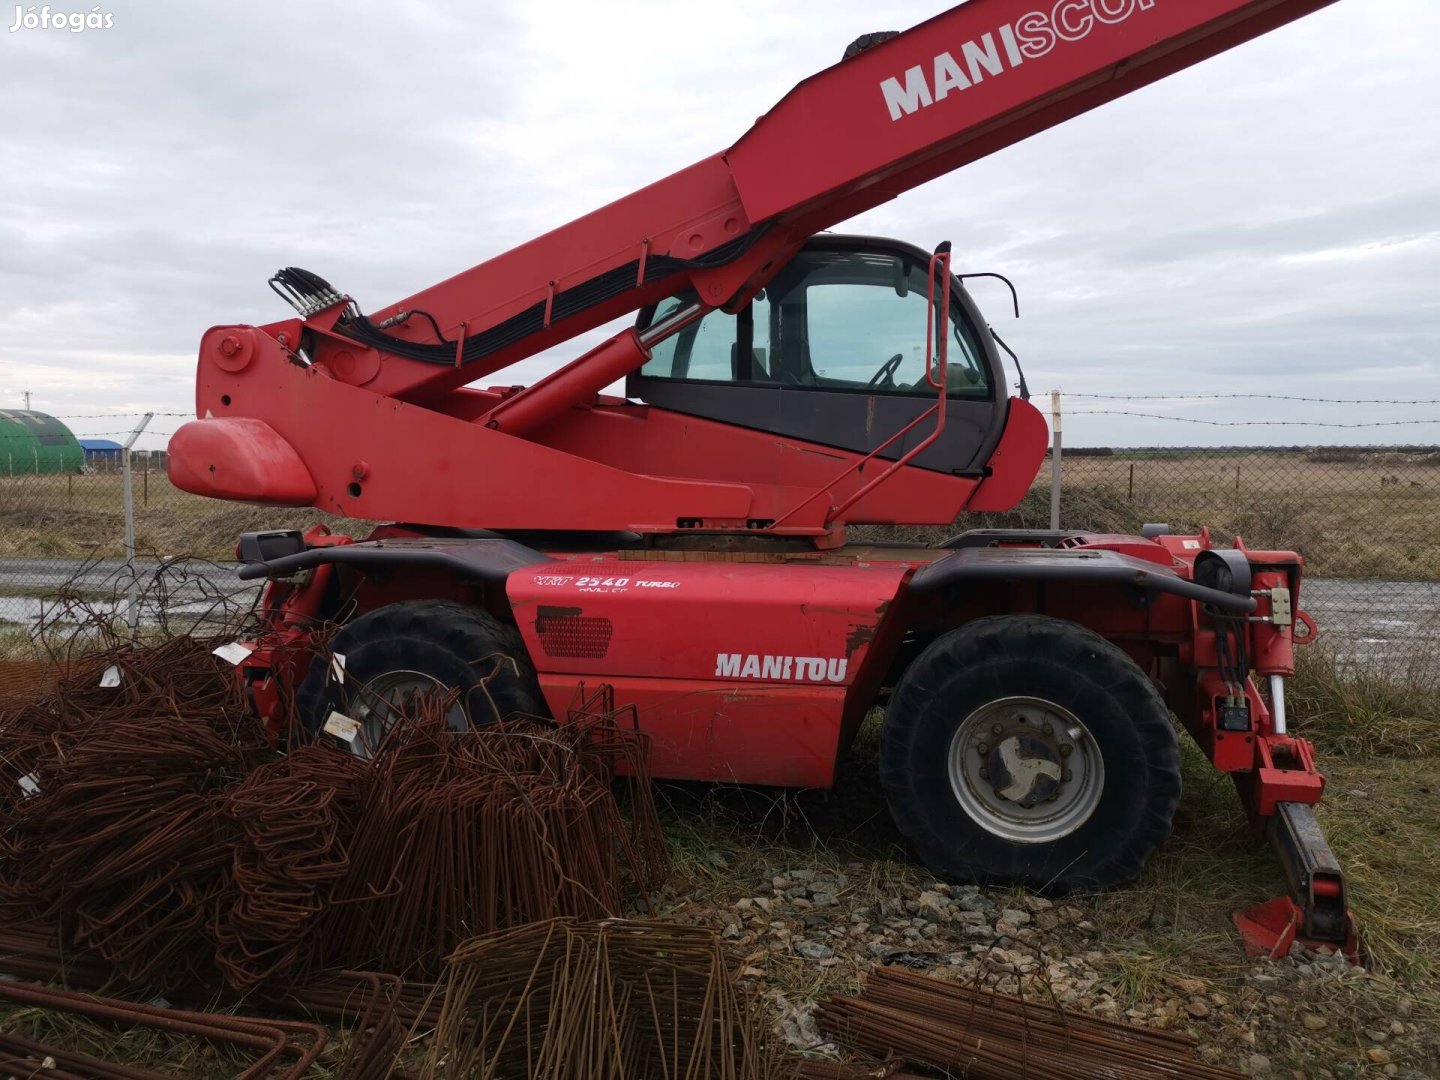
(886, 373)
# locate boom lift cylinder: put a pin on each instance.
(579, 381)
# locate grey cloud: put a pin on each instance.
(154, 175)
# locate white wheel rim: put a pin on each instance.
(1026, 770)
(380, 701)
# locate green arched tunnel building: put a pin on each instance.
(33, 443)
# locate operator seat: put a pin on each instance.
(958, 379)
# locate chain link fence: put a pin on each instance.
(1363, 517)
(65, 541)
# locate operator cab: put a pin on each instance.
(832, 351)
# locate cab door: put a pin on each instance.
(833, 352)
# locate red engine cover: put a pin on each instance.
(737, 670)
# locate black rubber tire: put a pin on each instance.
(1071, 666)
(458, 645)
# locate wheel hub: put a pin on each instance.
(1026, 769)
(383, 699)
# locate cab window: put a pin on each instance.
(833, 320)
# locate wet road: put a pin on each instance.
(1385, 623)
(189, 587)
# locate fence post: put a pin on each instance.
(1055, 461)
(132, 615)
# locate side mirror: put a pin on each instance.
(900, 275)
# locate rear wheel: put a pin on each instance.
(396, 652)
(1026, 750)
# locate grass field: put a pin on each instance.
(77, 517)
(1365, 514)
(1350, 513)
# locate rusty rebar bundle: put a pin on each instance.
(377, 1008)
(977, 1033)
(295, 819)
(285, 1049)
(463, 833)
(148, 817)
(347, 996)
(380, 1009)
(565, 999)
(37, 951)
(116, 827)
(23, 682)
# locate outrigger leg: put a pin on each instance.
(1315, 912)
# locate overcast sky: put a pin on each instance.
(1268, 222)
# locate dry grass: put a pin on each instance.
(1352, 514)
(1356, 710)
(16, 644)
(77, 517)
(1356, 515)
(1381, 818)
(1365, 515)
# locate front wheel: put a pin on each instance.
(394, 653)
(1025, 750)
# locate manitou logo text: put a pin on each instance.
(1028, 38)
(780, 668)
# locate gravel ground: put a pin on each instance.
(804, 932)
(813, 891)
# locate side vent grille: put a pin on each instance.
(580, 636)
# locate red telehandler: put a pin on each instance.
(685, 546)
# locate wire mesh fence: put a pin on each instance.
(63, 524)
(1363, 517)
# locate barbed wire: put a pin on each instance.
(98, 416)
(1251, 423)
(1064, 393)
(1253, 397)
